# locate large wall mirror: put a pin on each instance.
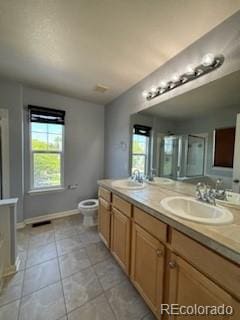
(192, 137)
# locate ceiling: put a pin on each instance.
(70, 46)
(207, 99)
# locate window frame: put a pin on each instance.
(145, 155)
(32, 152)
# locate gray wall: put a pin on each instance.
(84, 153)
(224, 39)
(84, 149)
(11, 99)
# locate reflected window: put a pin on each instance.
(140, 148)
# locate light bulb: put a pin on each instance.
(175, 77)
(190, 70)
(199, 72)
(208, 59)
(153, 89)
(163, 84)
(145, 94)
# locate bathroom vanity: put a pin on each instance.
(168, 259)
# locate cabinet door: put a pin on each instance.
(104, 221)
(120, 238)
(147, 268)
(188, 287)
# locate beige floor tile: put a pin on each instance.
(92, 235)
(149, 316)
(22, 256)
(97, 309)
(66, 233)
(126, 302)
(97, 252)
(80, 288)
(22, 240)
(40, 276)
(73, 262)
(45, 304)
(40, 230)
(65, 223)
(10, 311)
(41, 239)
(67, 245)
(41, 254)
(12, 288)
(109, 273)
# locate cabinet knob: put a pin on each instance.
(172, 264)
(159, 253)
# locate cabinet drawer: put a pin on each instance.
(105, 194)
(222, 271)
(151, 224)
(122, 205)
(104, 203)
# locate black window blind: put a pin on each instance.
(142, 130)
(46, 115)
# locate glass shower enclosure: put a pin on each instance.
(182, 156)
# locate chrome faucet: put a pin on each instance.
(220, 191)
(151, 176)
(205, 193)
(137, 176)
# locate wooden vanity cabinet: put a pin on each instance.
(165, 265)
(148, 258)
(120, 232)
(147, 266)
(217, 268)
(104, 216)
(187, 286)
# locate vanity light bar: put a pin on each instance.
(208, 64)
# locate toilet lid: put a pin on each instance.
(89, 203)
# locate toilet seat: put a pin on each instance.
(88, 204)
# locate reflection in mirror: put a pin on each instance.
(140, 148)
(224, 141)
(191, 137)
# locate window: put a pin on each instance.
(140, 148)
(46, 146)
(224, 141)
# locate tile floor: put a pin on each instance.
(66, 273)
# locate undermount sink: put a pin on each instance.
(157, 181)
(128, 184)
(194, 210)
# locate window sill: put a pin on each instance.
(43, 191)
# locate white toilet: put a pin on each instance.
(89, 208)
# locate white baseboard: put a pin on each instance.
(20, 225)
(11, 269)
(44, 217)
